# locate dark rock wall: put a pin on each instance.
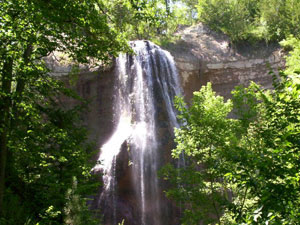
(97, 89)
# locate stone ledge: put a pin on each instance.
(202, 56)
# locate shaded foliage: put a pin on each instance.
(44, 168)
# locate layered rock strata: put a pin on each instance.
(203, 55)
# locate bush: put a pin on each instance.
(271, 20)
(232, 17)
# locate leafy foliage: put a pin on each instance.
(205, 139)
(292, 44)
(156, 20)
(243, 170)
(47, 150)
(271, 20)
(43, 148)
(231, 17)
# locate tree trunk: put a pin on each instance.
(21, 79)
(5, 123)
(6, 109)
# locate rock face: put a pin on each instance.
(93, 84)
(203, 55)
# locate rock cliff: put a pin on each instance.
(203, 55)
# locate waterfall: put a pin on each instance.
(144, 80)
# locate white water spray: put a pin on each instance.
(142, 79)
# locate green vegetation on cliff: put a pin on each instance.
(269, 20)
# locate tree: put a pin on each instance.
(231, 17)
(47, 153)
(190, 10)
(139, 19)
(204, 139)
(243, 170)
(156, 20)
(269, 20)
(40, 149)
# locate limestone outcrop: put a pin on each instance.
(203, 55)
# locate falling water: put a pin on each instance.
(143, 80)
